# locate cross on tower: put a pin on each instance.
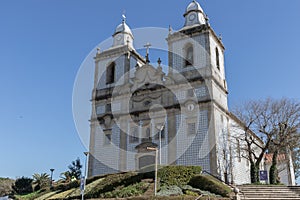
(147, 46)
(124, 16)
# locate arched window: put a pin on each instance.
(217, 58)
(189, 56)
(110, 73)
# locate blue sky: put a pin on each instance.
(44, 42)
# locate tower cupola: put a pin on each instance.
(123, 34)
(194, 6)
(194, 14)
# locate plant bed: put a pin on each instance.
(211, 184)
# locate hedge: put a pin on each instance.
(177, 175)
(113, 181)
(209, 183)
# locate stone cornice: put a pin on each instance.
(187, 32)
(117, 51)
(194, 31)
(211, 30)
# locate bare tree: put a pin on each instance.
(273, 121)
(286, 136)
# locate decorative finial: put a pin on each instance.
(220, 36)
(98, 50)
(159, 62)
(147, 46)
(170, 29)
(124, 16)
(207, 19)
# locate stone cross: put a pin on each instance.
(147, 46)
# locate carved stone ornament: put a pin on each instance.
(147, 74)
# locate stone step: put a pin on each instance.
(266, 190)
(277, 193)
(265, 186)
(295, 189)
(269, 196)
(273, 198)
(269, 193)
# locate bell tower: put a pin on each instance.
(197, 53)
(114, 67)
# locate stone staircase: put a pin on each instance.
(295, 189)
(261, 192)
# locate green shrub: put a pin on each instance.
(36, 187)
(29, 196)
(23, 185)
(112, 181)
(129, 191)
(189, 190)
(191, 193)
(67, 186)
(209, 183)
(170, 191)
(253, 173)
(273, 174)
(177, 175)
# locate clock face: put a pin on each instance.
(119, 37)
(192, 17)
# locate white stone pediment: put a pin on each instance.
(147, 74)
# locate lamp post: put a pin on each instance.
(51, 170)
(160, 128)
(84, 176)
(155, 177)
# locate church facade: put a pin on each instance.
(183, 113)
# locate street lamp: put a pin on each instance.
(160, 128)
(51, 170)
(84, 176)
(155, 178)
